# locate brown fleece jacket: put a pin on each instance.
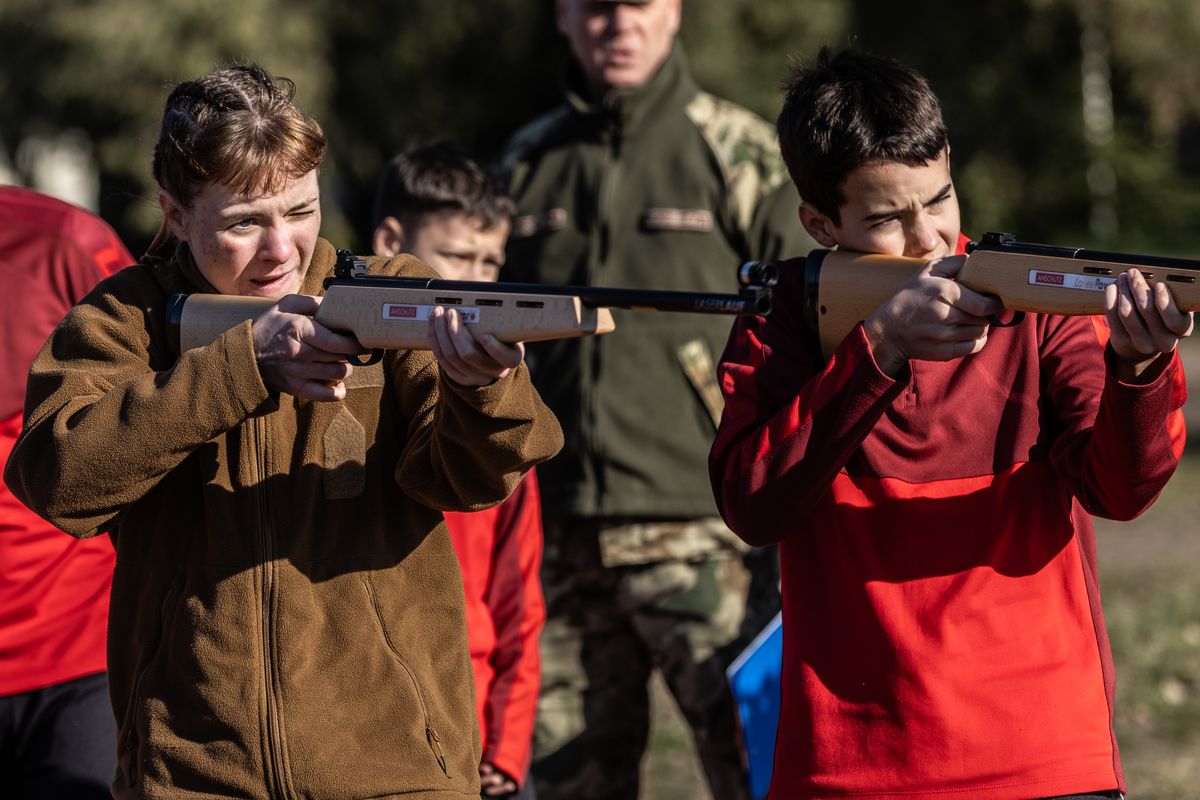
(287, 611)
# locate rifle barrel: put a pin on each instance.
(1007, 243)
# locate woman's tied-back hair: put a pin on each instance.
(851, 109)
(431, 178)
(236, 126)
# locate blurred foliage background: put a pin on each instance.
(1072, 122)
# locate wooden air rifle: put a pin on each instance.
(843, 287)
(388, 313)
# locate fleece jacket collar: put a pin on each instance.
(323, 258)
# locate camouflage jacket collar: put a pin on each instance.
(631, 110)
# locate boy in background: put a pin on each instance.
(440, 206)
(930, 486)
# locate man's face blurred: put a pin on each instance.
(620, 45)
(457, 246)
(894, 209)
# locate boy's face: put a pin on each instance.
(894, 209)
(454, 244)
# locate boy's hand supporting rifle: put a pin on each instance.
(930, 318)
(1143, 323)
(933, 318)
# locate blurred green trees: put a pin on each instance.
(105, 68)
(1074, 121)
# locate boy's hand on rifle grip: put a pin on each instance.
(466, 360)
(1143, 322)
(930, 318)
(298, 355)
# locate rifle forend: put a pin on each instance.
(842, 288)
(392, 312)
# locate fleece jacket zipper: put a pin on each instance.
(276, 776)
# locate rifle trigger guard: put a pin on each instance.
(374, 358)
(995, 322)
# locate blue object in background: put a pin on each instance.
(754, 679)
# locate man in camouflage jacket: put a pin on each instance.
(640, 179)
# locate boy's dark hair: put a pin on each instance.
(439, 177)
(850, 109)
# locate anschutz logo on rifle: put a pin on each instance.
(408, 312)
(722, 304)
(1069, 280)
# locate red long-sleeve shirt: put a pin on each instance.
(53, 589)
(500, 552)
(943, 635)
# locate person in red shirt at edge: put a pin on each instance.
(930, 485)
(441, 206)
(57, 733)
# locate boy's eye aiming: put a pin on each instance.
(942, 196)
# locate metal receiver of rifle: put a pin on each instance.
(842, 288)
(391, 312)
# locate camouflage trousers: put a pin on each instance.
(611, 621)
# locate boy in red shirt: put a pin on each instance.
(440, 206)
(931, 484)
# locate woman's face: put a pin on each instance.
(252, 245)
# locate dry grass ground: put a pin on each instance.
(1150, 582)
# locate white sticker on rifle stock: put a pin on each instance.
(403, 312)
(1069, 280)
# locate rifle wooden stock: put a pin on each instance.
(386, 313)
(842, 288)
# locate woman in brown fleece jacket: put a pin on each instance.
(287, 612)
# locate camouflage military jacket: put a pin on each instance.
(664, 187)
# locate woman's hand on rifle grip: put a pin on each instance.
(298, 355)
